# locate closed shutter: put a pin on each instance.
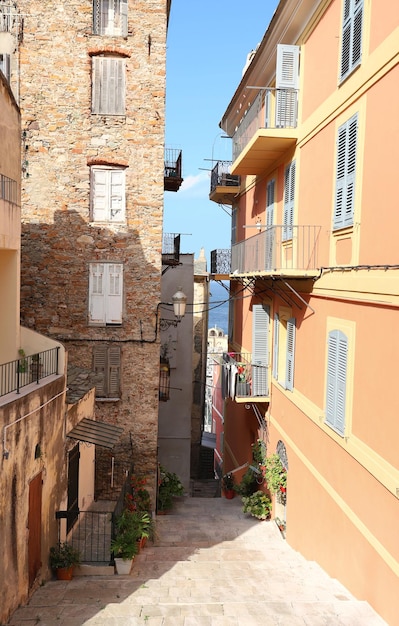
(100, 369)
(5, 65)
(117, 193)
(260, 349)
(289, 371)
(108, 91)
(275, 345)
(336, 380)
(97, 293)
(289, 196)
(124, 22)
(346, 174)
(114, 366)
(287, 81)
(114, 294)
(352, 29)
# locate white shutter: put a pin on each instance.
(275, 345)
(100, 194)
(270, 234)
(114, 296)
(289, 197)
(117, 195)
(124, 22)
(346, 174)
(260, 349)
(289, 371)
(336, 380)
(108, 90)
(97, 293)
(287, 82)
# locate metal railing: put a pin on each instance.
(251, 377)
(221, 177)
(170, 248)
(8, 189)
(276, 250)
(173, 163)
(221, 261)
(272, 108)
(15, 375)
(91, 535)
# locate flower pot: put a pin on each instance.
(64, 573)
(123, 566)
(229, 494)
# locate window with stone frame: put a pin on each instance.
(108, 85)
(110, 17)
(107, 193)
(107, 366)
(105, 294)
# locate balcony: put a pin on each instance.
(224, 186)
(243, 380)
(290, 251)
(173, 169)
(221, 264)
(15, 375)
(170, 249)
(267, 130)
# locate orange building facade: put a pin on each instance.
(314, 281)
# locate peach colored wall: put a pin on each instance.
(319, 66)
(384, 14)
(379, 197)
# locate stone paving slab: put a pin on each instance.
(210, 566)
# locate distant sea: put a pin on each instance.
(218, 313)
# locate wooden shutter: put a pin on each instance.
(289, 196)
(108, 91)
(336, 380)
(260, 349)
(346, 174)
(100, 194)
(100, 369)
(287, 82)
(117, 195)
(289, 370)
(275, 345)
(114, 293)
(123, 14)
(352, 28)
(114, 366)
(97, 293)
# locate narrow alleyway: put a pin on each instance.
(211, 566)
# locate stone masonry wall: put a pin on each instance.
(61, 140)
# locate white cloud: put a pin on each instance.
(196, 184)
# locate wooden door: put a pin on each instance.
(35, 528)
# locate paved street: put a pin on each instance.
(211, 566)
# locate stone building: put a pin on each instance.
(89, 76)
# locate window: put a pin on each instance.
(105, 293)
(336, 380)
(287, 81)
(108, 85)
(346, 173)
(289, 196)
(107, 365)
(260, 350)
(110, 17)
(107, 194)
(5, 66)
(351, 46)
(270, 235)
(284, 350)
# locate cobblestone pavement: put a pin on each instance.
(210, 566)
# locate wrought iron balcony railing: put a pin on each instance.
(221, 262)
(221, 177)
(272, 108)
(8, 189)
(173, 169)
(28, 369)
(278, 250)
(243, 378)
(170, 249)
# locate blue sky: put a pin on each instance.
(208, 43)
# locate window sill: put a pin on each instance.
(107, 399)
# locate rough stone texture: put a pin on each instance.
(62, 140)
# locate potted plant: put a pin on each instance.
(169, 486)
(22, 362)
(258, 505)
(63, 558)
(124, 545)
(228, 484)
(276, 475)
(249, 482)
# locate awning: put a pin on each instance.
(99, 433)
